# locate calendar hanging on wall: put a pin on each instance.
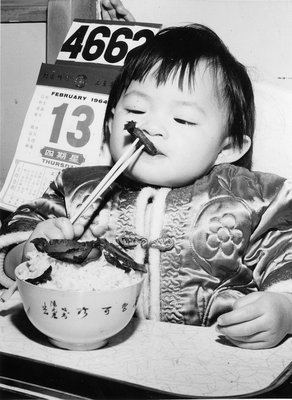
(62, 129)
(64, 122)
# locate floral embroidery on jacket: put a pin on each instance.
(219, 236)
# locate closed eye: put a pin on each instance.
(184, 122)
(135, 111)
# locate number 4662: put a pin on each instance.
(93, 48)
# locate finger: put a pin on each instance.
(105, 5)
(239, 315)
(87, 214)
(259, 340)
(243, 330)
(90, 210)
(78, 230)
(105, 15)
(108, 10)
(250, 345)
(64, 228)
(125, 14)
(48, 229)
(98, 230)
(114, 10)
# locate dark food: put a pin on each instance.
(43, 278)
(138, 133)
(83, 252)
(114, 255)
(70, 251)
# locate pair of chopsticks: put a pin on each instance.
(110, 177)
(7, 293)
(122, 163)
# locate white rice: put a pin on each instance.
(97, 275)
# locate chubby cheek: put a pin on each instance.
(191, 166)
(114, 149)
(116, 141)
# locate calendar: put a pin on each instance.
(64, 122)
(62, 128)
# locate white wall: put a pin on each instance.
(23, 49)
(257, 32)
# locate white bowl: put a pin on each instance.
(78, 320)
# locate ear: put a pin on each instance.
(108, 123)
(105, 155)
(230, 153)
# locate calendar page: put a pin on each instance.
(62, 128)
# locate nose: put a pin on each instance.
(153, 127)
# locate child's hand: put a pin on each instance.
(114, 10)
(55, 228)
(259, 320)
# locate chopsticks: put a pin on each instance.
(110, 177)
(122, 163)
(7, 293)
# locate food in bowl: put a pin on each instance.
(48, 272)
(79, 305)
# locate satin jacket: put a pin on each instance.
(205, 245)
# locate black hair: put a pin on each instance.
(178, 50)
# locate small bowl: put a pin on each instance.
(78, 320)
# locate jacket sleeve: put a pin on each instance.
(19, 225)
(270, 247)
(27, 216)
(64, 195)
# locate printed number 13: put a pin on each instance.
(82, 125)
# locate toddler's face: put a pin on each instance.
(186, 126)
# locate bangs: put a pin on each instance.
(172, 53)
(168, 71)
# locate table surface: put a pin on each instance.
(147, 360)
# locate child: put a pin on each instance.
(216, 237)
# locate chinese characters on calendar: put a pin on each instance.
(64, 121)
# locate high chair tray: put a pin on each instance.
(146, 360)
